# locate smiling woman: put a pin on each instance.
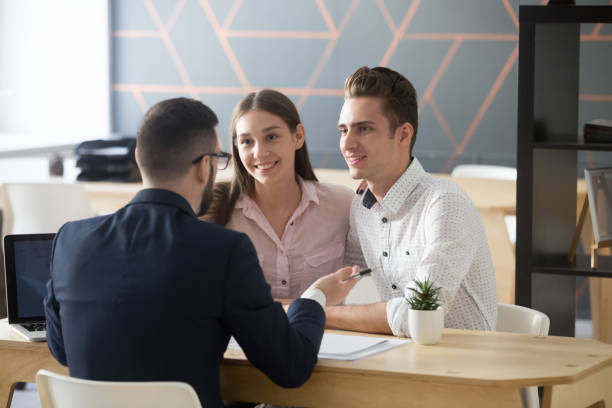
(297, 225)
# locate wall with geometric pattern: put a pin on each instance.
(461, 55)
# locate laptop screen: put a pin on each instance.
(27, 272)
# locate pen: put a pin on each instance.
(358, 275)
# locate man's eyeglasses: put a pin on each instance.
(222, 162)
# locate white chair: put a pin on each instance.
(59, 391)
(484, 171)
(519, 319)
(32, 208)
(491, 172)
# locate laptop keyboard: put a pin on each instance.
(33, 327)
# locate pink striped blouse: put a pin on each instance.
(312, 244)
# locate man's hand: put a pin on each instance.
(333, 286)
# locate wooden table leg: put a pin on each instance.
(20, 362)
(592, 391)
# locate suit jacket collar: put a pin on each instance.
(165, 197)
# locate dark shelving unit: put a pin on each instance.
(547, 160)
(602, 147)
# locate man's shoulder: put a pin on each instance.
(220, 232)
(443, 187)
(84, 225)
(334, 193)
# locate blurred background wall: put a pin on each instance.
(461, 56)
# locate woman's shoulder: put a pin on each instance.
(334, 193)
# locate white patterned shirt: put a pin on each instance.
(425, 227)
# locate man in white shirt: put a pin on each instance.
(408, 224)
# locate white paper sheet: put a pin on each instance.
(349, 348)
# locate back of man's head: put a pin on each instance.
(399, 98)
(172, 133)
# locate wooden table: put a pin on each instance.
(467, 369)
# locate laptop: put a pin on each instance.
(27, 260)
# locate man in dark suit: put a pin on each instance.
(151, 293)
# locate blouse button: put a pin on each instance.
(407, 252)
(291, 223)
(394, 286)
(385, 253)
(284, 282)
(384, 219)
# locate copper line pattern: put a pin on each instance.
(212, 90)
(462, 36)
(598, 37)
(175, 13)
(333, 35)
(450, 54)
(314, 77)
(428, 98)
(140, 100)
(595, 98)
(443, 124)
(449, 163)
(400, 32)
(325, 14)
(165, 35)
(229, 52)
(597, 29)
(229, 19)
(511, 13)
(178, 89)
(386, 16)
(489, 99)
(315, 35)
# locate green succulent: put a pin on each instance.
(426, 295)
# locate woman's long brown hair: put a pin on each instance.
(226, 193)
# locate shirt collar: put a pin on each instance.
(161, 196)
(402, 188)
(309, 194)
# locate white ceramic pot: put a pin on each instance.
(426, 325)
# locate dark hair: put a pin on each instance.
(399, 98)
(227, 193)
(171, 134)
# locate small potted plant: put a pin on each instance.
(426, 316)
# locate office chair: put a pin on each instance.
(519, 319)
(491, 172)
(32, 208)
(60, 391)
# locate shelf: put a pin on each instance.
(605, 147)
(558, 265)
(565, 14)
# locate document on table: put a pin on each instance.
(349, 348)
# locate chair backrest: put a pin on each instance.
(484, 171)
(59, 391)
(32, 208)
(519, 319)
